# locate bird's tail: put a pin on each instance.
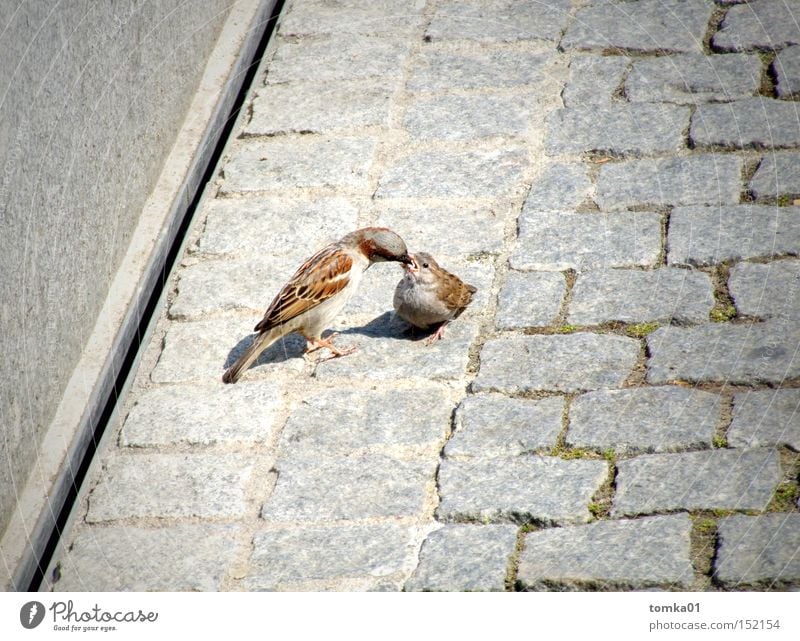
(261, 342)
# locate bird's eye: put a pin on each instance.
(425, 265)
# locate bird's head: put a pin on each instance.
(381, 244)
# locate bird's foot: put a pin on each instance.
(336, 352)
(437, 335)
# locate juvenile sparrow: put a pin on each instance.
(319, 290)
(429, 294)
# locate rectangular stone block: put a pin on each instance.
(387, 17)
(691, 180)
(760, 123)
(568, 363)
(170, 485)
(765, 25)
(609, 555)
(593, 80)
(766, 418)
(731, 354)
(530, 299)
(465, 558)
(708, 235)
(632, 296)
(767, 290)
(541, 489)
(786, 68)
(490, 425)
(777, 175)
(555, 241)
(559, 187)
(657, 419)
(706, 480)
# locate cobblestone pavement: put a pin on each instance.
(618, 408)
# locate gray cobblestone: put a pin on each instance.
(757, 550)
(470, 174)
(471, 117)
(498, 20)
(299, 161)
(731, 354)
(593, 79)
(559, 241)
(658, 419)
(464, 558)
(632, 296)
(694, 78)
(310, 488)
(284, 557)
(767, 24)
(633, 554)
(759, 122)
(617, 128)
(777, 175)
(648, 25)
(707, 480)
(389, 17)
(787, 72)
(342, 420)
(176, 558)
(556, 363)
(770, 290)
(489, 425)
(204, 485)
(559, 187)
(766, 418)
(530, 299)
(539, 488)
(708, 235)
(700, 179)
(203, 416)
(442, 70)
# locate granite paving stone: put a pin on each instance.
(706, 480)
(693, 78)
(201, 415)
(758, 550)
(647, 25)
(299, 161)
(685, 180)
(444, 70)
(176, 558)
(617, 129)
(657, 419)
(633, 296)
(530, 299)
(312, 488)
(189, 485)
(488, 425)
(559, 187)
(765, 24)
(786, 68)
(253, 226)
(442, 174)
(338, 421)
(766, 418)
(542, 489)
(293, 555)
(767, 290)
(723, 353)
(777, 175)
(759, 122)
(498, 20)
(387, 17)
(709, 235)
(593, 80)
(567, 363)
(471, 117)
(555, 241)
(465, 558)
(652, 552)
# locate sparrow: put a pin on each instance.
(319, 290)
(429, 295)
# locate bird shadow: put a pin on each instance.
(282, 350)
(389, 325)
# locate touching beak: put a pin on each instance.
(407, 260)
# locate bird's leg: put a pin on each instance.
(319, 343)
(437, 335)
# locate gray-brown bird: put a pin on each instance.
(319, 290)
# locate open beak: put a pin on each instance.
(409, 264)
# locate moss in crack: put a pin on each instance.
(640, 330)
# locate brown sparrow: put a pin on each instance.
(429, 294)
(319, 290)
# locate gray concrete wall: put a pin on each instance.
(92, 93)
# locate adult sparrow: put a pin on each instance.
(429, 295)
(319, 290)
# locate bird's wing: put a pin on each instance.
(456, 293)
(323, 275)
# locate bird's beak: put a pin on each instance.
(407, 260)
